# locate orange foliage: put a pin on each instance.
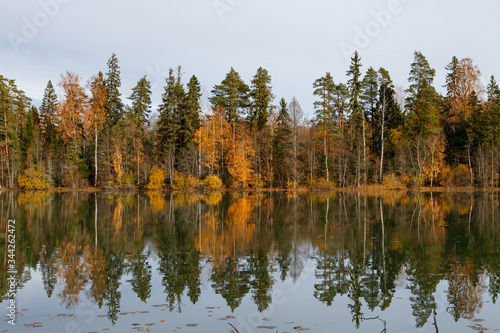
(239, 159)
(73, 107)
(434, 159)
(157, 202)
(218, 242)
(95, 114)
(211, 138)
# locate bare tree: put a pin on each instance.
(296, 121)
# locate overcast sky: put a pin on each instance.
(297, 41)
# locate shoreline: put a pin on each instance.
(367, 189)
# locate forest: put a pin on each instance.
(364, 131)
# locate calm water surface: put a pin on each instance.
(262, 262)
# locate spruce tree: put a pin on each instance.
(141, 107)
(261, 97)
(114, 106)
(369, 96)
(141, 101)
(387, 116)
(354, 85)
(281, 143)
(47, 113)
(190, 118)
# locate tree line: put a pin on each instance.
(364, 131)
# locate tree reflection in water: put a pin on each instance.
(363, 247)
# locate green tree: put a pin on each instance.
(233, 95)
(324, 89)
(386, 116)
(369, 95)
(47, 113)
(13, 108)
(423, 101)
(191, 116)
(114, 105)
(141, 107)
(261, 98)
(354, 86)
(281, 144)
(51, 135)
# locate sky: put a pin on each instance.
(297, 41)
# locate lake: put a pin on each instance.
(251, 262)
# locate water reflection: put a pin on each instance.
(363, 247)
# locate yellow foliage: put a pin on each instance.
(185, 182)
(396, 135)
(445, 176)
(157, 202)
(322, 183)
(239, 160)
(33, 199)
(434, 162)
(393, 182)
(192, 182)
(33, 178)
(461, 175)
(212, 182)
(256, 181)
(157, 178)
(293, 185)
(213, 198)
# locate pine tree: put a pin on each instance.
(422, 103)
(141, 100)
(261, 98)
(324, 89)
(190, 121)
(354, 85)
(47, 113)
(369, 96)
(114, 106)
(169, 139)
(233, 95)
(387, 115)
(13, 108)
(141, 107)
(281, 143)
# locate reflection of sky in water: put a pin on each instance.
(446, 248)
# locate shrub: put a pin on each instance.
(185, 182)
(191, 182)
(292, 185)
(179, 180)
(212, 182)
(157, 178)
(325, 185)
(256, 181)
(392, 182)
(461, 175)
(33, 178)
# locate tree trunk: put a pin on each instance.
(95, 158)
